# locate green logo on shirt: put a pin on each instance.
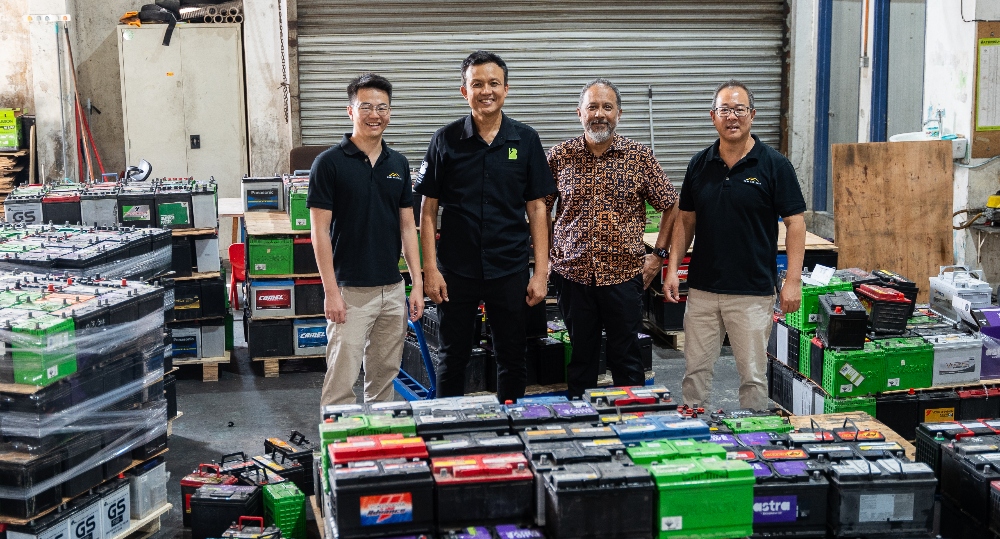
(512, 153)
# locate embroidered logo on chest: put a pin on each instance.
(754, 181)
(394, 176)
(512, 153)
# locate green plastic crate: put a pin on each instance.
(298, 213)
(652, 219)
(808, 314)
(909, 363)
(647, 453)
(850, 373)
(770, 423)
(686, 487)
(285, 508)
(850, 404)
(805, 346)
(365, 425)
(269, 255)
(43, 349)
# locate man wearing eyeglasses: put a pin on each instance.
(733, 195)
(599, 265)
(485, 171)
(361, 207)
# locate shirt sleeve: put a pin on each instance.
(787, 197)
(321, 180)
(406, 196)
(550, 200)
(540, 182)
(660, 193)
(426, 182)
(686, 196)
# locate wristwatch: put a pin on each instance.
(662, 253)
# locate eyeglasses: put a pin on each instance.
(740, 111)
(367, 108)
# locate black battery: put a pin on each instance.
(309, 296)
(215, 507)
(896, 281)
(479, 418)
(61, 208)
(213, 298)
(810, 436)
(645, 352)
(290, 469)
(974, 474)
(76, 452)
(599, 499)
(880, 450)
(139, 245)
(473, 443)
(485, 488)
(954, 456)
(182, 257)
(111, 440)
(123, 308)
(956, 523)
(270, 338)
(931, 436)
(23, 471)
(843, 321)
(187, 300)
(938, 406)
(978, 404)
(881, 498)
(835, 452)
(383, 498)
(259, 476)
(296, 446)
(155, 445)
(790, 500)
(234, 463)
(548, 358)
(137, 207)
(855, 434)
(170, 392)
(573, 451)
(526, 414)
(900, 413)
(630, 399)
(303, 257)
(169, 298)
(173, 208)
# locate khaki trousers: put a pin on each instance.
(372, 336)
(707, 319)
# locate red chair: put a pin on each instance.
(237, 258)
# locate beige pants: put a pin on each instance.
(707, 319)
(371, 336)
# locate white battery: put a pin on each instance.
(213, 340)
(99, 207)
(23, 209)
(52, 526)
(115, 508)
(187, 343)
(272, 298)
(310, 336)
(962, 283)
(263, 194)
(85, 522)
(204, 205)
(148, 491)
(957, 358)
(206, 252)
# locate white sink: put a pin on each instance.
(958, 145)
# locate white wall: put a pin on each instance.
(15, 58)
(802, 77)
(270, 131)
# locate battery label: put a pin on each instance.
(892, 382)
(852, 374)
(885, 446)
(603, 441)
(943, 426)
(671, 524)
(262, 199)
(461, 462)
(273, 299)
(940, 414)
(386, 509)
(174, 213)
(885, 507)
(775, 454)
(767, 509)
(136, 213)
(589, 430)
(609, 393)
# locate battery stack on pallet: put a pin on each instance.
(82, 399)
(643, 468)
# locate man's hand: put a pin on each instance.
(651, 265)
(334, 307)
(791, 296)
(671, 288)
(416, 301)
(537, 287)
(434, 285)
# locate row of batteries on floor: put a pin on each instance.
(620, 463)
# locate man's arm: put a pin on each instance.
(434, 285)
(538, 223)
(333, 303)
(795, 248)
(681, 238)
(411, 253)
(652, 262)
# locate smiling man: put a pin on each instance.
(733, 195)
(361, 205)
(485, 171)
(599, 265)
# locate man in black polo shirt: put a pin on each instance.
(485, 171)
(733, 195)
(361, 206)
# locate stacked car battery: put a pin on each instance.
(622, 462)
(81, 385)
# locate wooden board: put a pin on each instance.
(202, 275)
(672, 339)
(318, 520)
(269, 223)
(209, 366)
(813, 242)
(194, 231)
(985, 144)
(271, 368)
(892, 207)
(861, 419)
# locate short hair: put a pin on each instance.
(602, 82)
(368, 80)
(483, 57)
(731, 83)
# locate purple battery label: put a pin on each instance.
(512, 531)
(724, 440)
(767, 509)
(791, 468)
(531, 411)
(755, 438)
(472, 532)
(573, 408)
(760, 469)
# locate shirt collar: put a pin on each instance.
(351, 149)
(506, 132)
(754, 153)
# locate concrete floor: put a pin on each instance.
(243, 408)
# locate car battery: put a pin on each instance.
(291, 470)
(935, 406)
(24, 206)
(751, 439)
(99, 206)
(551, 432)
(646, 453)
(888, 309)
(855, 434)
(213, 339)
(45, 351)
(148, 488)
(215, 507)
(961, 283)
(857, 276)
(896, 281)
(303, 257)
(85, 517)
(848, 373)
(298, 213)
(978, 404)
(206, 254)
(881, 498)
(552, 454)
(269, 338)
(931, 436)
(204, 208)
(61, 208)
(285, 508)
(377, 446)
(467, 532)
(653, 428)
(843, 321)
(383, 498)
(187, 301)
(488, 488)
(251, 528)
(310, 336)
(392, 408)
(835, 452)
(212, 298)
(262, 194)
(726, 440)
(955, 465)
(182, 257)
(54, 525)
(471, 419)
(170, 394)
(365, 425)
(430, 323)
(296, 447)
(630, 399)
(810, 436)
(685, 486)
(309, 297)
(269, 256)
(879, 450)
(236, 463)
(524, 415)
(599, 499)
(186, 343)
(112, 441)
(115, 508)
(957, 358)
(789, 500)
(909, 362)
(547, 356)
(137, 206)
(206, 474)
(155, 445)
(23, 471)
(759, 423)
(779, 453)
(258, 477)
(517, 531)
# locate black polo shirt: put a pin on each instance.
(736, 218)
(482, 189)
(365, 202)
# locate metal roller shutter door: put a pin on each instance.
(678, 49)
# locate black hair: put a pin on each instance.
(483, 57)
(731, 83)
(368, 80)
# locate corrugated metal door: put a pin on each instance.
(681, 50)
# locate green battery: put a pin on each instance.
(909, 363)
(768, 423)
(43, 349)
(285, 508)
(298, 213)
(686, 488)
(365, 425)
(269, 256)
(807, 317)
(850, 373)
(665, 450)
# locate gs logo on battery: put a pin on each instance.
(86, 528)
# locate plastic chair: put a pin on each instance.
(237, 258)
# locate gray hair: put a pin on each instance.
(731, 83)
(602, 82)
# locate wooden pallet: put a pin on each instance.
(147, 526)
(672, 339)
(271, 363)
(170, 424)
(209, 366)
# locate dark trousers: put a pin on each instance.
(505, 306)
(589, 308)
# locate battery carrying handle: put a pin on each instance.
(239, 457)
(259, 520)
(960, 270)
(854, 425)
(209, 469)
(297, 438)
